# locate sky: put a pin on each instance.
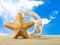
(48, 10)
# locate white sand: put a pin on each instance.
(43, 40)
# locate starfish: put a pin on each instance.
(19, 27)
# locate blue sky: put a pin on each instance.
(45, 11)
(48, 10)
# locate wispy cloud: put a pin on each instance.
(9, 8)
(45, 21)
(12, 7)
(52, 16)
(3, 34)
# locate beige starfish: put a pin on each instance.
(19, 27)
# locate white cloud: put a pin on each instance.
(3, 34)
(45, 21)
(13, 7)
(10, 7)
(52, 16)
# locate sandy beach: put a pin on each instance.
(43, 40)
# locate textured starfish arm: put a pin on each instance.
(24, 34)
(15, 34)
(19, 17)
(29, 24)
(10, 25)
